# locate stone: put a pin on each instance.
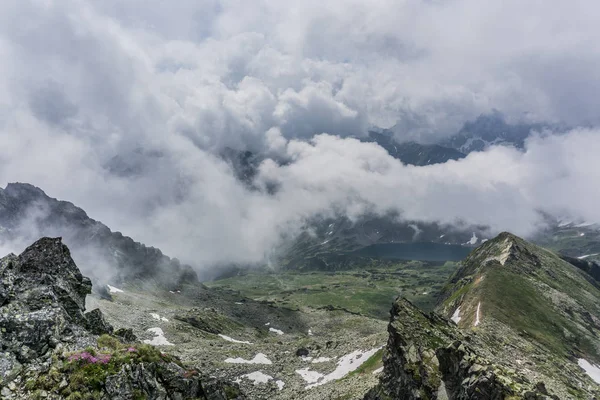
(302, 352)
(96, 323)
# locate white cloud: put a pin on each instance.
(167, 88)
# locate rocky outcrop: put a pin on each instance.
(428, 357)
(43, 302)
(51, 348)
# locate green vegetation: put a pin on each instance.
(573, 241)
(534, 292)
(209, 321)
(81, 375)
(367, 291)
(372, 364)
(515, 302)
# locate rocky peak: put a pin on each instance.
(428, 357)
(511, 291)
(51, 348)
(46, 267)
(42, 298)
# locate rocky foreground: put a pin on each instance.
(514, 322)
(51, 348)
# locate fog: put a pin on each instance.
(124, 107)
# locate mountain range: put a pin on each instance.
(27, 213)
(515, 321)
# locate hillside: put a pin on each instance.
(528, 315)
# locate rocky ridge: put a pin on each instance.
(428, 357)
(514, 322)
(26, 210)
(52, 348)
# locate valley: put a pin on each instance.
(368, 291)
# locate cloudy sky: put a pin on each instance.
(164, 86)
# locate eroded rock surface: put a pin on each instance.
(50, 346)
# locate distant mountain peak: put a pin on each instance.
(103, 254)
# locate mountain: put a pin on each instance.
(414, 153)
(51, 348)
(525, 325)
(339, 243)
(27, 213)
(490, 129)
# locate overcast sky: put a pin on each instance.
(168, 84)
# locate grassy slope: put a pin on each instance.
(369, 292)
(535, 293)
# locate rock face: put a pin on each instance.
(25, 208)
(43, 302)
(522, 322)
(50, 348)
(427, 357)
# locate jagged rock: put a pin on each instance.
(427, 357)
(126, 335)
(49, 346)
(45, 303)
(96, 323)
(153, 382)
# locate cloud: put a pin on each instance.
(123, 108)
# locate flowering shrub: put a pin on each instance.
(90, 358)
(86, 371)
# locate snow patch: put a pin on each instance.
(346, 364)
(504, 254)
(260, 358)
(258, 377)
(158, 317)
(593, 371)
(159, 338)
(277, 331)
(477, 322)
(232, 340)
(473, 239)
(112, 289)
(321, 360)
(456, 316)
(309, 376)
(377, 371)
(587, 255)
(310, 333)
